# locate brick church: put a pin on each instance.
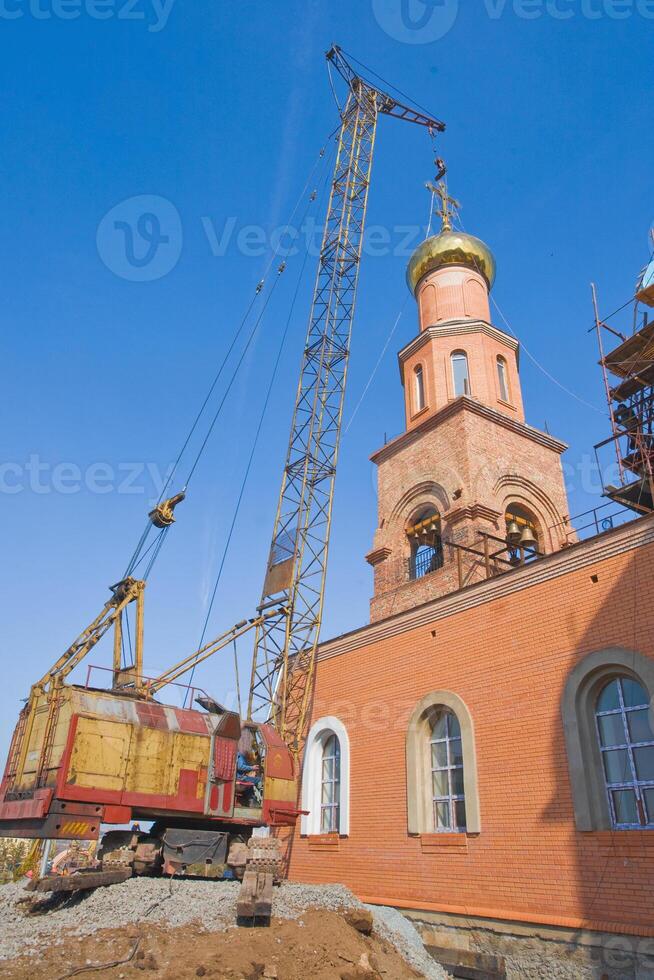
(482, 751)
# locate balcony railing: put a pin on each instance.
(595, 521)
(425, 561)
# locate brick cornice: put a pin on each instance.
(378, 556)
(464, 403)
(456, 328)
(629, 537)
(471, 514)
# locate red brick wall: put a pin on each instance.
(470, 463)
(508, 659)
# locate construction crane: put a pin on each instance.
(84, 756)
(283, 663)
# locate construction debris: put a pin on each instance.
(142, 914)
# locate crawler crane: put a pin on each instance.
(84, 758)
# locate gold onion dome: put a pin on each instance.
(451, 248)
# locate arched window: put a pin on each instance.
(419, 380)
(447, 773)
(326, 779)
(608, 739)
(426, 543)
(330, 795)
(626, 743)
(503, 379)
(442, 786)
(460, 377)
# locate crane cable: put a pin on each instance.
(392, 88)
(137, 556)
(255, 440)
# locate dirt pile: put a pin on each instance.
(185, 929)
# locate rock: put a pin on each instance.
(359, 973)
(201, 970)
(270, 972)
(359, 919)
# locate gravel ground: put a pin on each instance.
(177, 903)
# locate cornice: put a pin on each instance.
(472, 513)
(465, 403)
(456, 328)
(629, 537)
(376, 557)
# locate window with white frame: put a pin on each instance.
(626, 741)
(326, 779)
(460, 376)
(330, 793)
(448, 795)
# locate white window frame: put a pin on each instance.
(630, 781)
(460, 355)
(317, 738)
(449, 767)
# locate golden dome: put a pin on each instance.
(451, 248)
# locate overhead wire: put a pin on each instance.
(136, 555)
(391, 87)
(253, 448)
(376, 367)
(331, 85)
(532, 358)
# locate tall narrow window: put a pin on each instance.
(627, 745)
(503, 379)
(331, 786)
(460, 375)
(447, 773)
(420, 388)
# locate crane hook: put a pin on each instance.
(162, 515)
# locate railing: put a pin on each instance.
(425, 561)
(595, 521)
(188, 697)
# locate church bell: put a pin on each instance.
(528, 538)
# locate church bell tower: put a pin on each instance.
(469, 490)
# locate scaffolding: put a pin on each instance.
(628, 372)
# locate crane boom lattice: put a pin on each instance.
(283, 662)
(285, 645)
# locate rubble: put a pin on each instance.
(209, 904)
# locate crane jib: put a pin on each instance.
(283, 661)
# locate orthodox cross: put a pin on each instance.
(449, 206)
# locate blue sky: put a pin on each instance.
(220, 109)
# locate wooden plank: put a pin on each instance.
(255, 896)
(80, 882)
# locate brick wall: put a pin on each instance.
(469, 462)
(506, 647)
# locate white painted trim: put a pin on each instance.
(312, 774)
